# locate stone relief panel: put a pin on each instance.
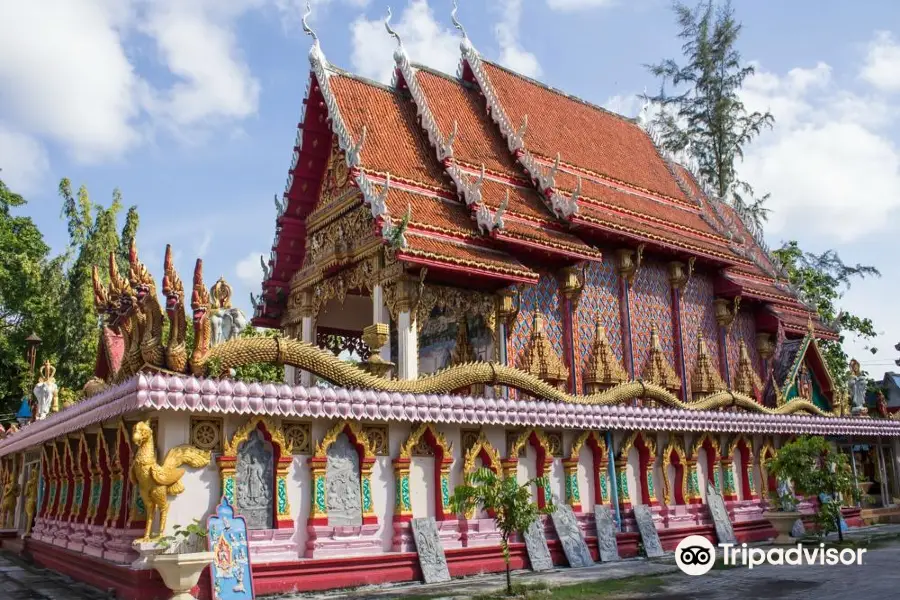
(536, 545)
(570, 537)
(606, 533)
(724, 530)
(343, 496)
(255, 481)
(649, 535)
(431, 553)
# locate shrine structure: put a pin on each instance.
(471, 270)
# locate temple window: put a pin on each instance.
(675, 473)
(537, 461)
(423, 474)
(586, 472)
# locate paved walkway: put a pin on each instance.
(876, 578)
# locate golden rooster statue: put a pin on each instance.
(156, 482)
(173, 290)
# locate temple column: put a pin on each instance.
(506, 314)
(628, 268)
(307, 331)
(751, 483)
(380, 315)
(573, 494)
(403, 539)
(724, 319)
(407, 330)
(570, 287)
(622, 483)
(692, 472)
(678, 279)
(728, 489)
(765, 347)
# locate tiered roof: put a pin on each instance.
(502, 176)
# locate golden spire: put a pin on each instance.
(705, 379)
(539, 357)
(746, 381)
(221, 294)
(603, 369)
(658, 370)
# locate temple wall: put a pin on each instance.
(651, 305)
(698, 315)
(599, 299)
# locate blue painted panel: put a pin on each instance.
(232, 578)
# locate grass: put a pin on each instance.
(588, 590)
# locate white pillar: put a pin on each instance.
(308, 334)
(380, 315)
(408, 345)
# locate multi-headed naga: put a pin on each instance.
(152, 352)
(173, 290)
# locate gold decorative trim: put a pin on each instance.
(603, 369)
(698, 443)
(337, 429)
(582, 439)
(658, 370)
(417, 435)
(472, 454)
(540, 359)
(524, 437)
(747, 381)
(243, 432)
(705, 379)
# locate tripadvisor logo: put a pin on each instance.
(696, 555)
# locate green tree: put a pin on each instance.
(707, 119)
(30, 287)
(821, 280)
(508, 502)
(815, 467)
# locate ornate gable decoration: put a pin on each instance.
(705, 379)
(603, 368)
(658, 370)
(799, 363)
(539, 357)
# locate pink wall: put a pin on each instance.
(599, 298)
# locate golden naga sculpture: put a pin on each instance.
(147, 305)
(658, 370)
(128, 320)
(156, 482)
(173, 290)
(705, 379)
(202, 327)
(603, 368)
(31, 494)
(329, 367)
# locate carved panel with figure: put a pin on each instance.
(255, 481)
(343, 494)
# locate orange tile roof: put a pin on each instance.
(468, 256)
(584, 135)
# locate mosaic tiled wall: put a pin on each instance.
(599, 299)
(698, 314)
(651, 304)
(543, 297)
(744, 328)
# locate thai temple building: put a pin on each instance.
(469, 270)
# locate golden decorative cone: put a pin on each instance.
(746, 381)
(539, 357)
(705, 379)
(658, 370)
(603, 368)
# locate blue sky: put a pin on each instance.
(191, 107)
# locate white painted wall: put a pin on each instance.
(585, 476)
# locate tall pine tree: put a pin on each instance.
(707, 121)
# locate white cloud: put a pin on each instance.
(65, 76)
(827, 164)
(571, 5)
(204, 243)
(424, 39)
(627, 105)
(248, 270)
(512, 55)
(71, 79)
(23, 161)
(882, 66)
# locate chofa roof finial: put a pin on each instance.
(465, 43)
(306, 28)
(390, 30)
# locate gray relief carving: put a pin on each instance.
(255, 482)
(649, 535)
(536, 545)
(724, 530)
(570, 537)
(606, 533)
(342, 484)
(431, 552)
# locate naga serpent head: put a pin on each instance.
(172, 287)
(141, 433)
(121, 300)
(139, 276)
(200, 296)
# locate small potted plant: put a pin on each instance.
(184, 556)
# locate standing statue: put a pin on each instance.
(8, 503)
(46, 392)
(31, 494)
(156, 482)
(857, 386)
(227, 322)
